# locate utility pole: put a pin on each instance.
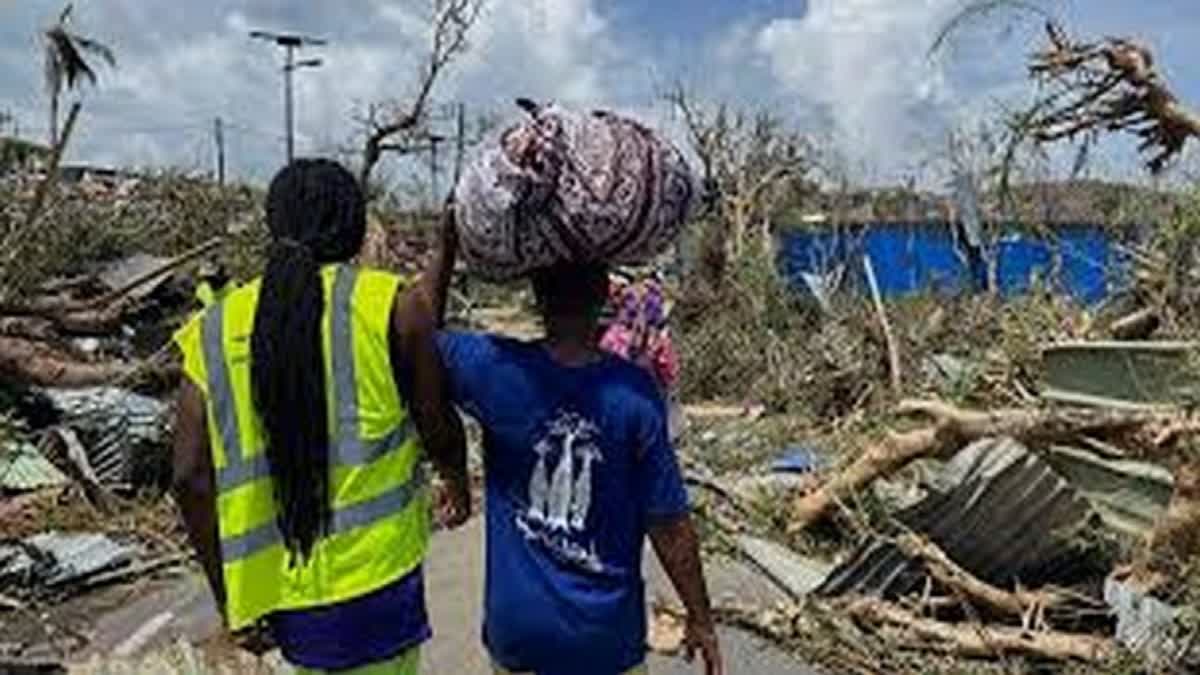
(219, 137)
(290, 44)
(461, 134)
(434, 139)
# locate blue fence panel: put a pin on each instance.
(910, 258)
(1020, 259)
(1088, 262)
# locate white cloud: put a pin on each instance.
(866, 64)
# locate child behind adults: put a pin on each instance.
(579, 471)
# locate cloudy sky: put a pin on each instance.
(856, 72)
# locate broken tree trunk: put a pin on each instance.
(952, 429)
(1020, 603)
(1138, 325)
(975, 640)
(38, 364)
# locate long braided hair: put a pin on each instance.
(316, 215)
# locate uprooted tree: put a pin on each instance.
(1090, 88)
(1107, 86)
(395, 126)
(751, 160)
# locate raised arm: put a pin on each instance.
(434, 285)
(416, 316)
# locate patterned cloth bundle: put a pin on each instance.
(561, 186)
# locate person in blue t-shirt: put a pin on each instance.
(579, 470)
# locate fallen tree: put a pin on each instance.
(952, 429)
(978, 640)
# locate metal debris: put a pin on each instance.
(797, 459)
(111, 422)
(794, 574)
(1130, 496)
(23, 468)
(53, 559)
(118, 274)
(1144, 624)
(997, 510)
(1125, 375)
(950, 372)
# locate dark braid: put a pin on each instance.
(316, 215)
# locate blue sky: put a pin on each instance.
(854, 73)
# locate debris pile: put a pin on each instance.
(93, 284)
(955, 483)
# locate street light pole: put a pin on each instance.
(289, 122)
(290, 44)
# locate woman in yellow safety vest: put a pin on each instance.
(308, 398)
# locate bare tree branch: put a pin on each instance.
(452, 22)
(1107, 86)
(748, 161)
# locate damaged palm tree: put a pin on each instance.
(66, 62)
(1108, 86)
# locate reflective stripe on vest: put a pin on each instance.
(350, 449)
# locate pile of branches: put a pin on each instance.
(959, 614)
(50, 232)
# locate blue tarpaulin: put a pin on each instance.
(1078, 260)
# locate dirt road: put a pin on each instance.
(163, 612)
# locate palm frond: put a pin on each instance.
(65, 16)
(977, 8)
(94, 47)
(70, 63)
(52, 69)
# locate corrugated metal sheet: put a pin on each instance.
(1119, 374)
(997, 510)
(118, 274)
(23, 468)
(110, 421)
(52, 558)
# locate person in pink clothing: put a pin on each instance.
(639, 333)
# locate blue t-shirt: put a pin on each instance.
(578, 462)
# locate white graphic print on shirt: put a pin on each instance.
(560, 501)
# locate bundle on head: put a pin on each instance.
(316, 215)
(565, 187)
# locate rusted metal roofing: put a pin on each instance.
(997, 510)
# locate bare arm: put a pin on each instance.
(416, 316)
(434, 285)
(438, 423)
(194, 485)
(678, 548)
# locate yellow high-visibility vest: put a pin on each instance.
(208, 295)
(379, 529)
